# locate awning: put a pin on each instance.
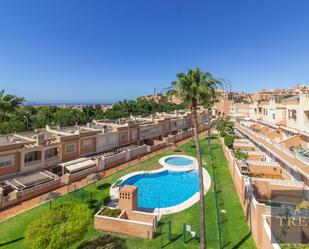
(80, 166)
(31, 179)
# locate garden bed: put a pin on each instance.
(110, 212)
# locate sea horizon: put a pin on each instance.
(58, 103)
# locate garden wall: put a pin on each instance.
(136, 152)
(254, 211)
(123, 226)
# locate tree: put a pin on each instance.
(64, 117)
(8, 104)
(224, 126)
(15, 118)
(58, 228)
(194, 88)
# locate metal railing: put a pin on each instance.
(270, 141)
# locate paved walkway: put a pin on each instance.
(28, 204)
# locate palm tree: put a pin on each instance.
(224, 126)
(196, 88)
(8, 103)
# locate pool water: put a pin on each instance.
(164, 189)
(179, 161)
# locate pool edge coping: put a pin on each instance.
(171, 167)
(114, 191)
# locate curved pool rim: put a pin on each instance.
(114, 192)
(193, 165)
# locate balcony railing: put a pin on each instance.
(33, 162)
(6, 201)
(84, 172)
(38, 187)
(51, 158)
(281, 147)
(303, 158)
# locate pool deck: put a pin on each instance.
(114, 191)
(168, 166)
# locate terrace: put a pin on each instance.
(296, 164)
(256, 163)
(289, 137)
(27, 186)
(296, 143)
(258, 184)
(269, 170)
(6, 140)
(244, 146)
(77, 169)
(111, 158)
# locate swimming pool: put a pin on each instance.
(179, 161)
(164, 189)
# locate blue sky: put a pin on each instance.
(103, 51)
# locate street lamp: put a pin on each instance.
(27, 120)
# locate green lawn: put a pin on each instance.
(235, 232)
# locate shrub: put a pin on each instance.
(58, 228)
(111, 212)
(104, 242)
(257, 130)
(229, 141)
(222, 133)
(240, 155)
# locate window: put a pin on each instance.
(274, 116)
(50, 153)
(87, 143)
(70, 148)
(123, 136)
(6, 161)
(293, 114)
(33, 156)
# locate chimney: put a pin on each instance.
(128, 198)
